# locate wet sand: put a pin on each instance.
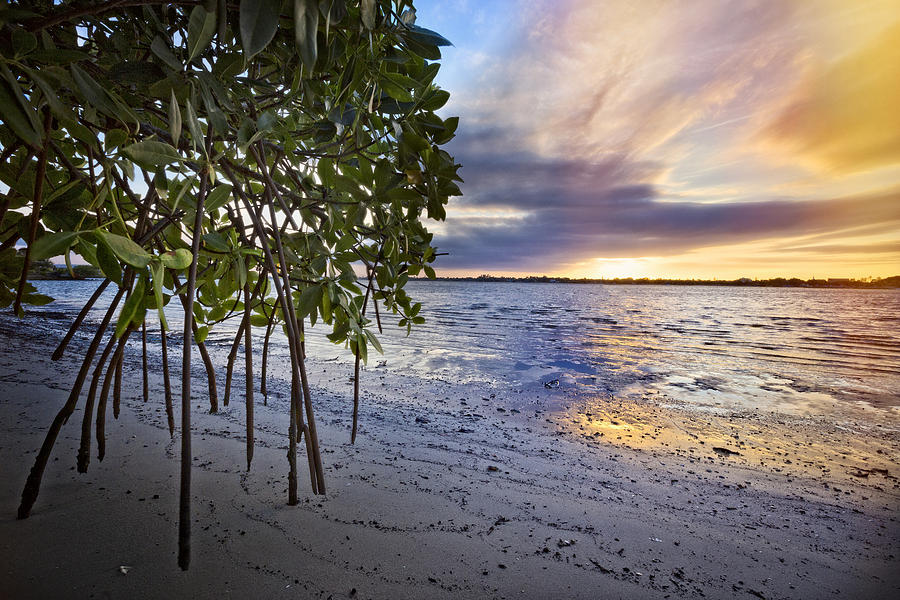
(451, 491)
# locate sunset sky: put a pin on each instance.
(699, 138)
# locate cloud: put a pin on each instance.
(624, 130)
(843, 249)
(846, 117)
(563, 225)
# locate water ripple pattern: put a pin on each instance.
(777, 349)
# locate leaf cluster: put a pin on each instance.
(307, 132)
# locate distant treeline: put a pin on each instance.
(44, 269)
(887, 282)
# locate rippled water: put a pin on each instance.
(771, 348)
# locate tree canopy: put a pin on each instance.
(266, 161)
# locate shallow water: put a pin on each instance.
(780, 349)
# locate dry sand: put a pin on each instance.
(447, 496)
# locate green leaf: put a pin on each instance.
(51, 94)
(127, 250)
(99, 98)
(345, 184)
(114, 138)
(240, 272)
(334, 11)
(87, 252)
(429, 272)
(374, 341)
(217, 313)
(161, 183)
(185, 187)
(23, 41)
(306, 26)
(37, 299)
(177, 259)
(396, 86)
(59, 56)
(259, 321)
(216, 242)
(310, 300)
(62, 112)
(414, 142)
(425, 51)
(201, 334)
(258, 22)
(132, 307)
(54, 244)
(160, 48)
(158, 272)
(15, 116)
(344, 243)
(266, 121)
(138, 73)
(218, 197)
(24, 102)
(367, 13)
(401, 80)
(199, 313)
(339, 334)
(201, 28)
(194, 127)
(175, 118)
(152, 153)
(427, 36)
(436, 100)
(109, 264)
(361, 347)
(326, 304)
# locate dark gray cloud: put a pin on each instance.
(576, 209)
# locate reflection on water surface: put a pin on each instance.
(783, 349)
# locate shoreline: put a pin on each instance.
(441, 489)
(832, 283)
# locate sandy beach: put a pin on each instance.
(451, 491)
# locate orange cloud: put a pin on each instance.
(847, 117)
